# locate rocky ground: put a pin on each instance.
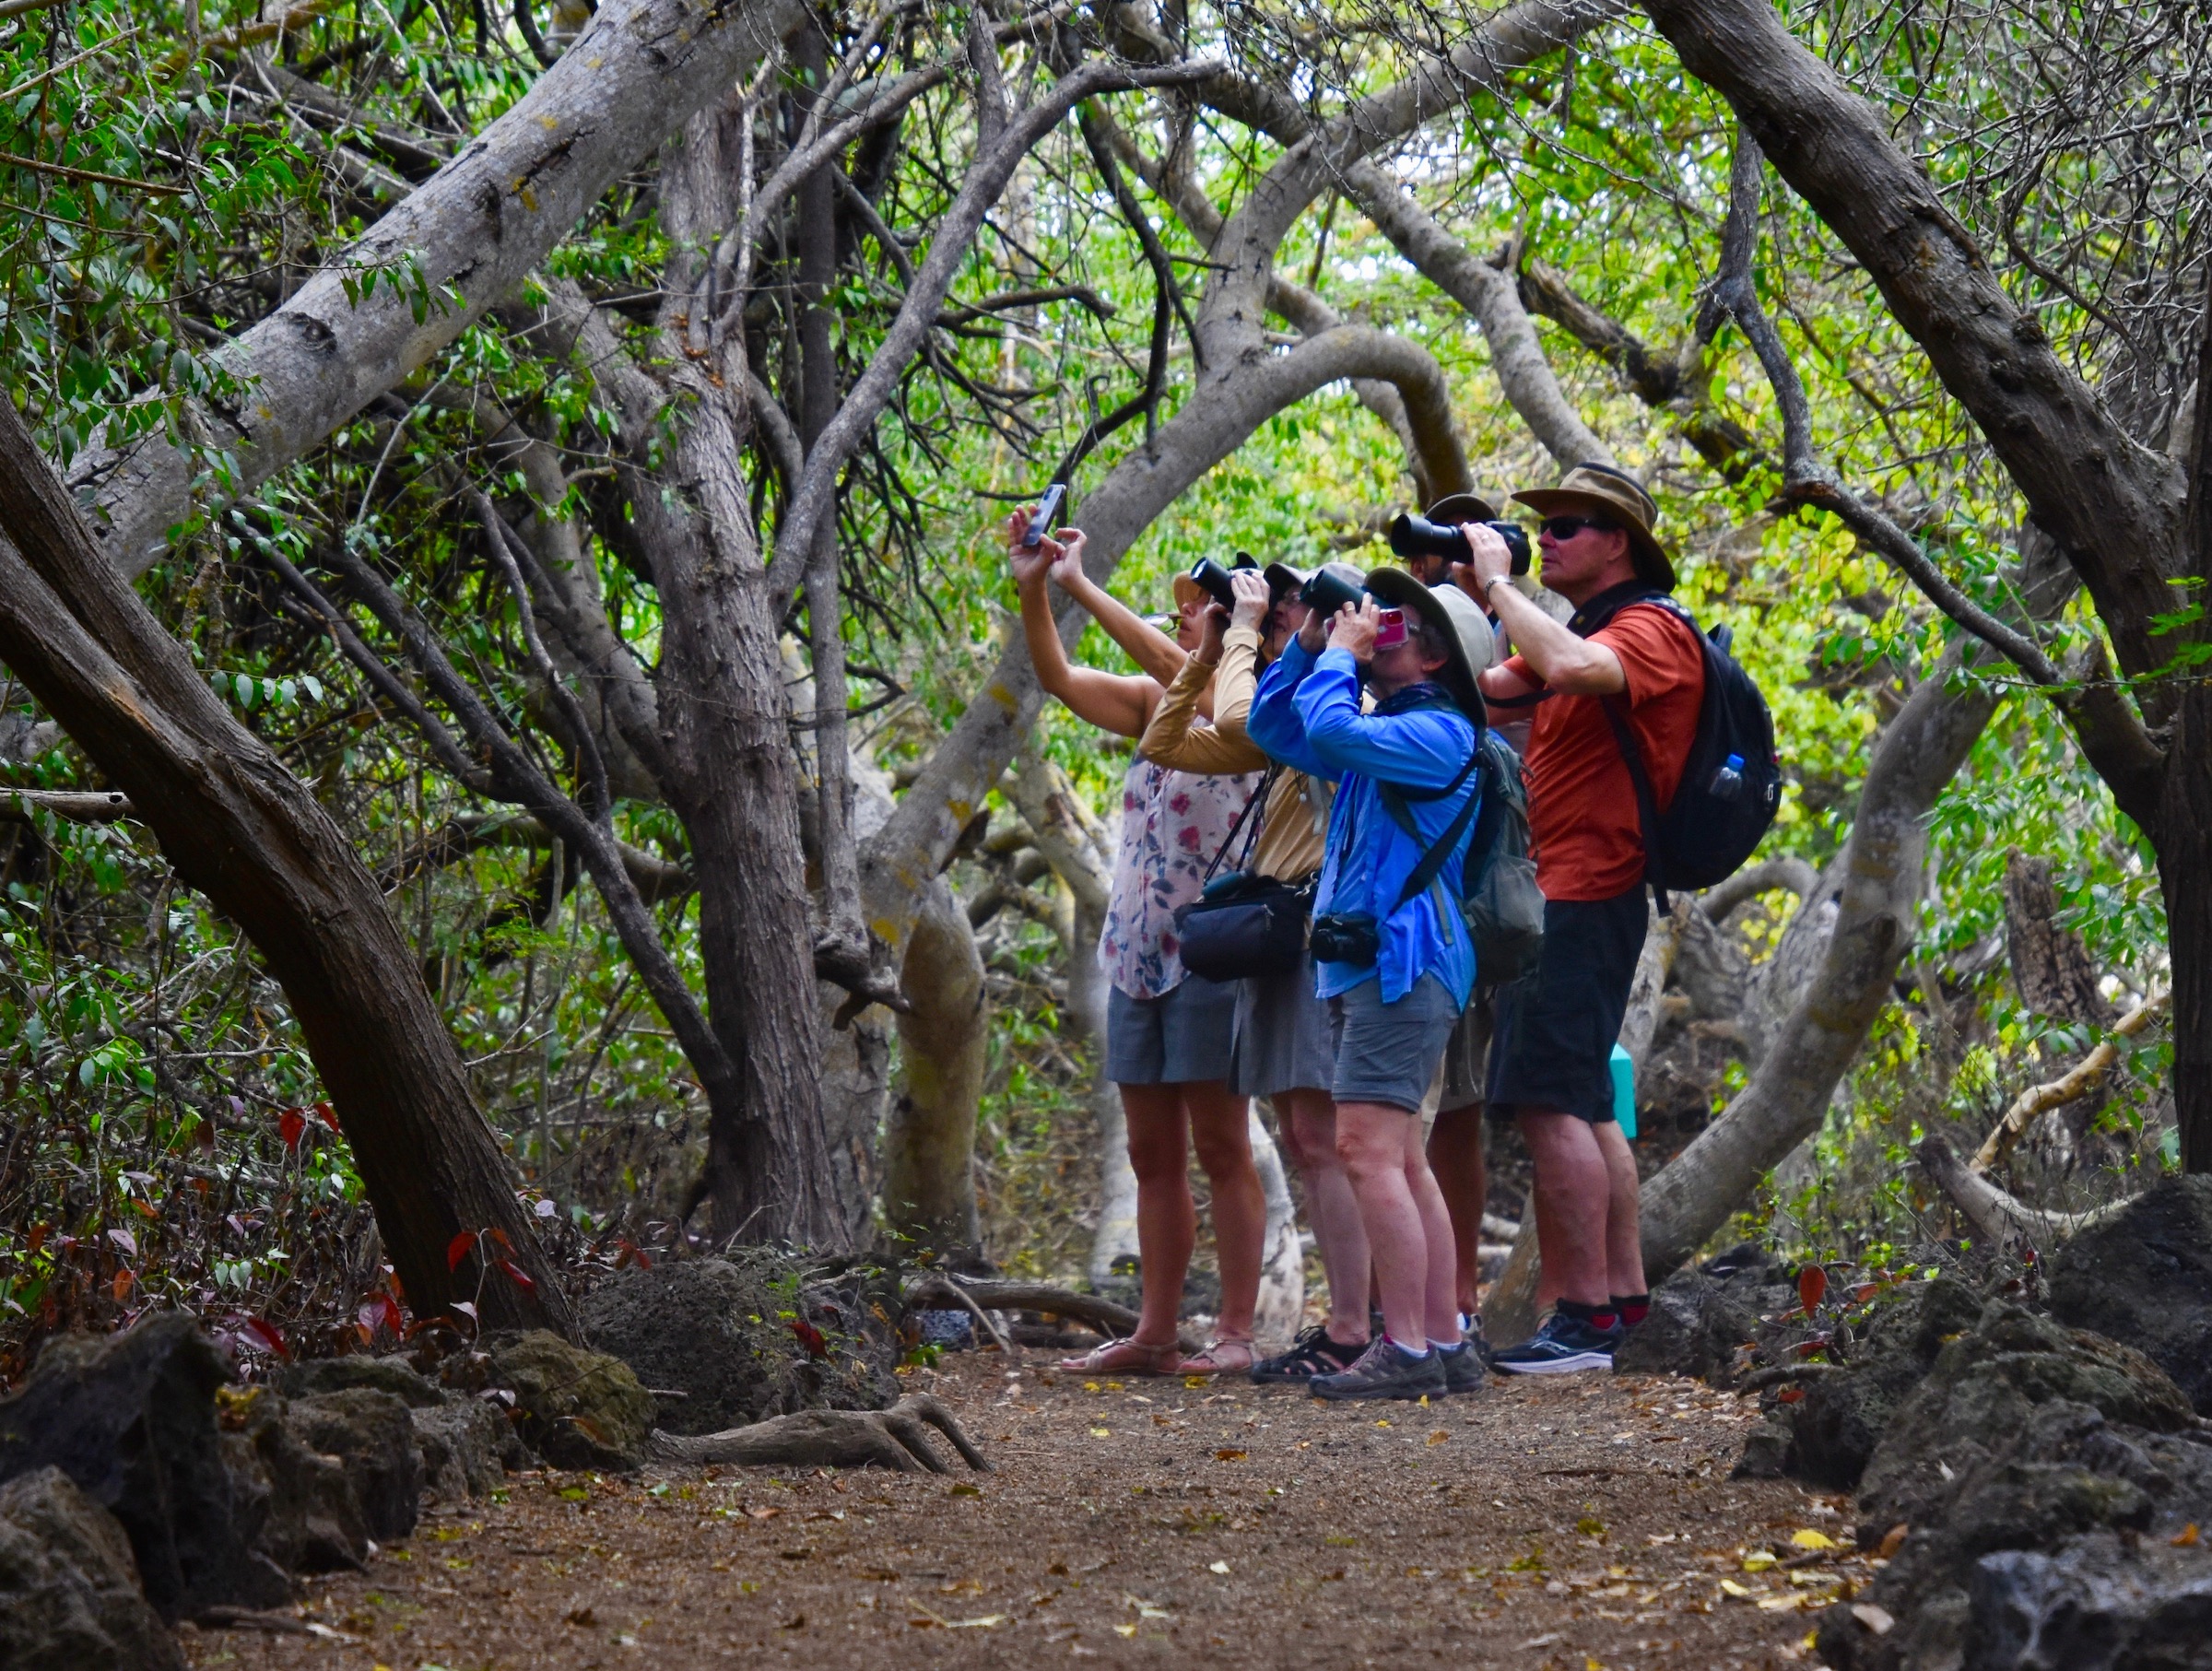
(1581, 1522)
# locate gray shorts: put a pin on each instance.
(1281, 1040)
(1180, 1036)
(1388, 1052)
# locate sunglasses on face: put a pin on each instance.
(1564, 528)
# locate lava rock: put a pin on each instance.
(298, 1505)
(1835, 1428)
(579, 1409)
(1699, 1318)
(2028, 1439)
(1977, 1400)
(371, 1433)
(392, 1375)
(724, 1332)
(69, 1595)
(1766, 1452)
(130, 1419)
(466, 1447)
(2145, 1275)
(2095, 1606)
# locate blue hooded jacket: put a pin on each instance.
(1306, 714)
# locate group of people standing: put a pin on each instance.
(1363, 743)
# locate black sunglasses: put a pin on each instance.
(1566, 527)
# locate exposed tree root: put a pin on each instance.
(896, 1438)
(1091, 1310)
(1996, 1217)
(2085, 1076)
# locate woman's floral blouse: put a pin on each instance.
(1173, 824)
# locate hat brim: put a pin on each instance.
(1462, 508)
(1652, 564)
(1282, 578)
(1398, 589)
(1186, 590)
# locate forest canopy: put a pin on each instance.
(509, 724)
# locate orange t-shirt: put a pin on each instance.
(1582, 802)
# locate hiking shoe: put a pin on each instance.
(1561, 1347)
(1464, 1368)
(1385, 1370)
(1313, 1353)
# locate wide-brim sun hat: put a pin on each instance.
(1471, 644)
(1618, 497)
(1186, 591)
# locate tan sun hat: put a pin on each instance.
(1618, 495)
(1186, 591)
(1474, 647)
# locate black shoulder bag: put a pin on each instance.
(1242, 924)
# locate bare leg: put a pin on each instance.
(1573, 1199)
(1311, 1116)
(1456, 1159)
(1624, 1221)
(1220, 1130)
(1402, 1210)
(1167, 1224)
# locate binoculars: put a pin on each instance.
(1412, 535)
(1213, 579)
(1325, 593)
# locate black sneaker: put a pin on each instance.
(1313, 1353)
(1561, 1347)
(1385, 1370)
(1464, 1367)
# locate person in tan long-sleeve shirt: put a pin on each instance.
(1279, 1045)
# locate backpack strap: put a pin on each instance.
(1632, 755)
(1433, 858)
(1647, 803)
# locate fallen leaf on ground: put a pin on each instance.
(1221, 1567)
(1804, 1537)
(1438, 1437)
(2186, 1538)
(1892, 1540)
(1229, 1455)
(1876, 1619)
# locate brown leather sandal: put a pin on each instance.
(1125, 1358)
(1226, 1356)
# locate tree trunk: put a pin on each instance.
(929, 1141)
(2186, 879)
(465, 238)
(244, 831)
(1280, 1313)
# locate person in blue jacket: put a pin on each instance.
(1391, 950)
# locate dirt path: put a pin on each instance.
(1582, 1523)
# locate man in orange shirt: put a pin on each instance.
(1550, 1063)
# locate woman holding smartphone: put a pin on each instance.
(1167, 1031)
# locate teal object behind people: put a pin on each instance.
(1624, 1091)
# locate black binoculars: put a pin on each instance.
(1213, 579)
(1412, 535)
(1325, 593)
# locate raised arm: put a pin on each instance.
(1575, 665)
(1109, 700)
(1148, 647)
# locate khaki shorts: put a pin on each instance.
(1461, 1075)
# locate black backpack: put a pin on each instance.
(1731, 784)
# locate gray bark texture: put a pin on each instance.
(246, 832)
(929, 1140)
(638, 70)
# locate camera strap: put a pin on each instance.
(1257, 798)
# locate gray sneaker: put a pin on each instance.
(1385, 1370)
(1464, 1369)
